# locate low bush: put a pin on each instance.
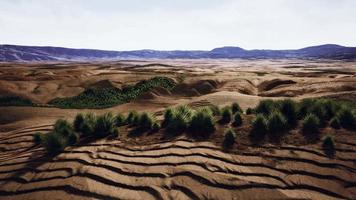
(335, 123)
(120, 120)
(168, 117)
(156, 127)
(88, 124)
(289, 110)
(229, 139)
(328, 146)
(180, 120)
(319, 110)
(73, 138)
(237, 119)
(63, 127)
(146, 121)
(202, 123)
(304, 107)
(277, 124)
(132, 117)
(37, 138)
(105, 125)
(266, 107)
(78, 122)
(235, 107)
(259, 128)
(54, 143)
(347, 118)
(311, 124)
(226, 116)
(215, 109)
(249, 111)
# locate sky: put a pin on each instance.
(178, 24)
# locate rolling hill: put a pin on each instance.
(11, 53)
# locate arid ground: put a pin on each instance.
(149, 167)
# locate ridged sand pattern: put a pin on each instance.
(180, 169)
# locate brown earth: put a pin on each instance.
(152, 167)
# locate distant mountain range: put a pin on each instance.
(15, 53)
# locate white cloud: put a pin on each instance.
(185, 24)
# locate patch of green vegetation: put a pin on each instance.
(179, 121)
(229, 139)
(202, 123)
(226, 116)
(111, 96)
(311, 124)
(277, 124)
(237, 119)
(259, 128)
(15, 101)
(328, 146)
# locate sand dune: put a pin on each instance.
(151, 167)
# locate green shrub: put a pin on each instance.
(132, 117)
(54, 143)
(105, 125)
(156, 127)
(63, 127)
(88, 124)
(328, 146)
(249, 111)
(180, 120)
(215, 109)
(73, 138)
(202, 123)
(347, 118)
(266, 107)
(319, 110)
(146, 121)
(237, 119)
(78, 122)
(168, 117)
(120, 120)
(226, 116)
(304, 107)
(277, 124)
(235, 107)
(37, 138)
(311, 124)
(229, 139)
(259, 128)
(290, 111)
(335, 123)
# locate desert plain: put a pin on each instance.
(151, 166)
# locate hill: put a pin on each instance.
(11, 53)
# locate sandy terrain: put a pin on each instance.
(150, 168)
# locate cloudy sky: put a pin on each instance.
(178, 24)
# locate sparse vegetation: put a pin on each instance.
(105, 125)
(229, 139)
(235, 107)
(120, 120)
(335, 123)
(180, 120)
(37, 138)
(347, 118)
(328, 146)
(259, 128)
(311, 124)
(15, 101)
(131, 117)
(110, 96)
(202, 123)
(237, 119)
(266, 107)
(168, 117)
(226, 116)
(289, 110)
(277, 124)
(146, 121)
(249, 111)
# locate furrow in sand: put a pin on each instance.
(146, 160)
(190, 175)
(170, 164)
